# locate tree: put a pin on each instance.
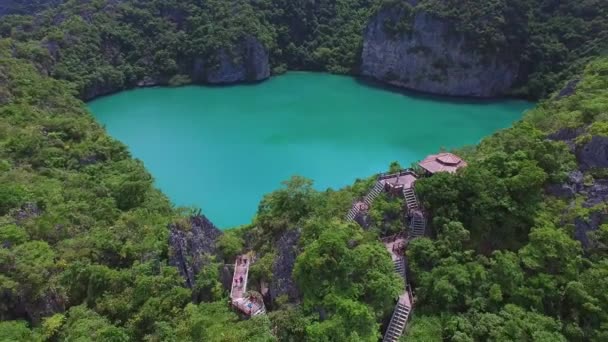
(84, 324)
(17, 331)
(208, 286)
(11, 196)
(230, 245)
(424, 328)
(214, 322)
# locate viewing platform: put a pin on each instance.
(249, 303)
(398, 181)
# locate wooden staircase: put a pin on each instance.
(418, 225)
(403, 308)
(398, 322)
(368, 199)
(371, 196)
(400, 267)
(352, 213)
(410, 199)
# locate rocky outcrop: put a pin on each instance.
(363, 219)
(593, 154)
(596, 195)
(245, 62)
(582, 227)
(569, 89)
(570, 188)
(27, 211)
(21, 305)
(282, 281)
(593, 195)
(432, 58)
(189, 247)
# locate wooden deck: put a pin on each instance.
(249, 306)
(396, 246)
(239, 278)
(240, 299)
(401, 180)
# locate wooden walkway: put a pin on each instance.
(403, 183)
(248, 304)
(396, 247)
(364, 204)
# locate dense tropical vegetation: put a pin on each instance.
(124, 42)
(84, 251)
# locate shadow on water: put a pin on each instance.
(375, 84)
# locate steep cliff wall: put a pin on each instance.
(430, 56)
(247, 61)
(190, 248)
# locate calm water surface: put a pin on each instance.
(222, 148)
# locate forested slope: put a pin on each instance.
(88, 247)
(515, 258)
(105, 46)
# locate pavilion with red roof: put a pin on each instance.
(443, 162)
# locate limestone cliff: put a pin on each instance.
(246, 62)
(431, 57)
(190, 247)
(282, 282)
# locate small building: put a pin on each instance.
(443, 162)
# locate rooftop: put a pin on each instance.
(443, 162)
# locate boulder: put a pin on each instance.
(433, 58)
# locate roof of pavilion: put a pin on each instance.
(443, 162)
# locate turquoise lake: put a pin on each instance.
(222, 148)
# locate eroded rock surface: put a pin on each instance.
(282, 281)
(189, 247)
(433, 58)
(593, 154)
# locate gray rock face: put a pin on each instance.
(432, 58)
(569, 89)
(593, 194)
(594, 154)
(27, 211)
(248, 61)
(364, 220)
(597, 193)
(570, 188)
(282, 282)
(583, 227)
(188, 248)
